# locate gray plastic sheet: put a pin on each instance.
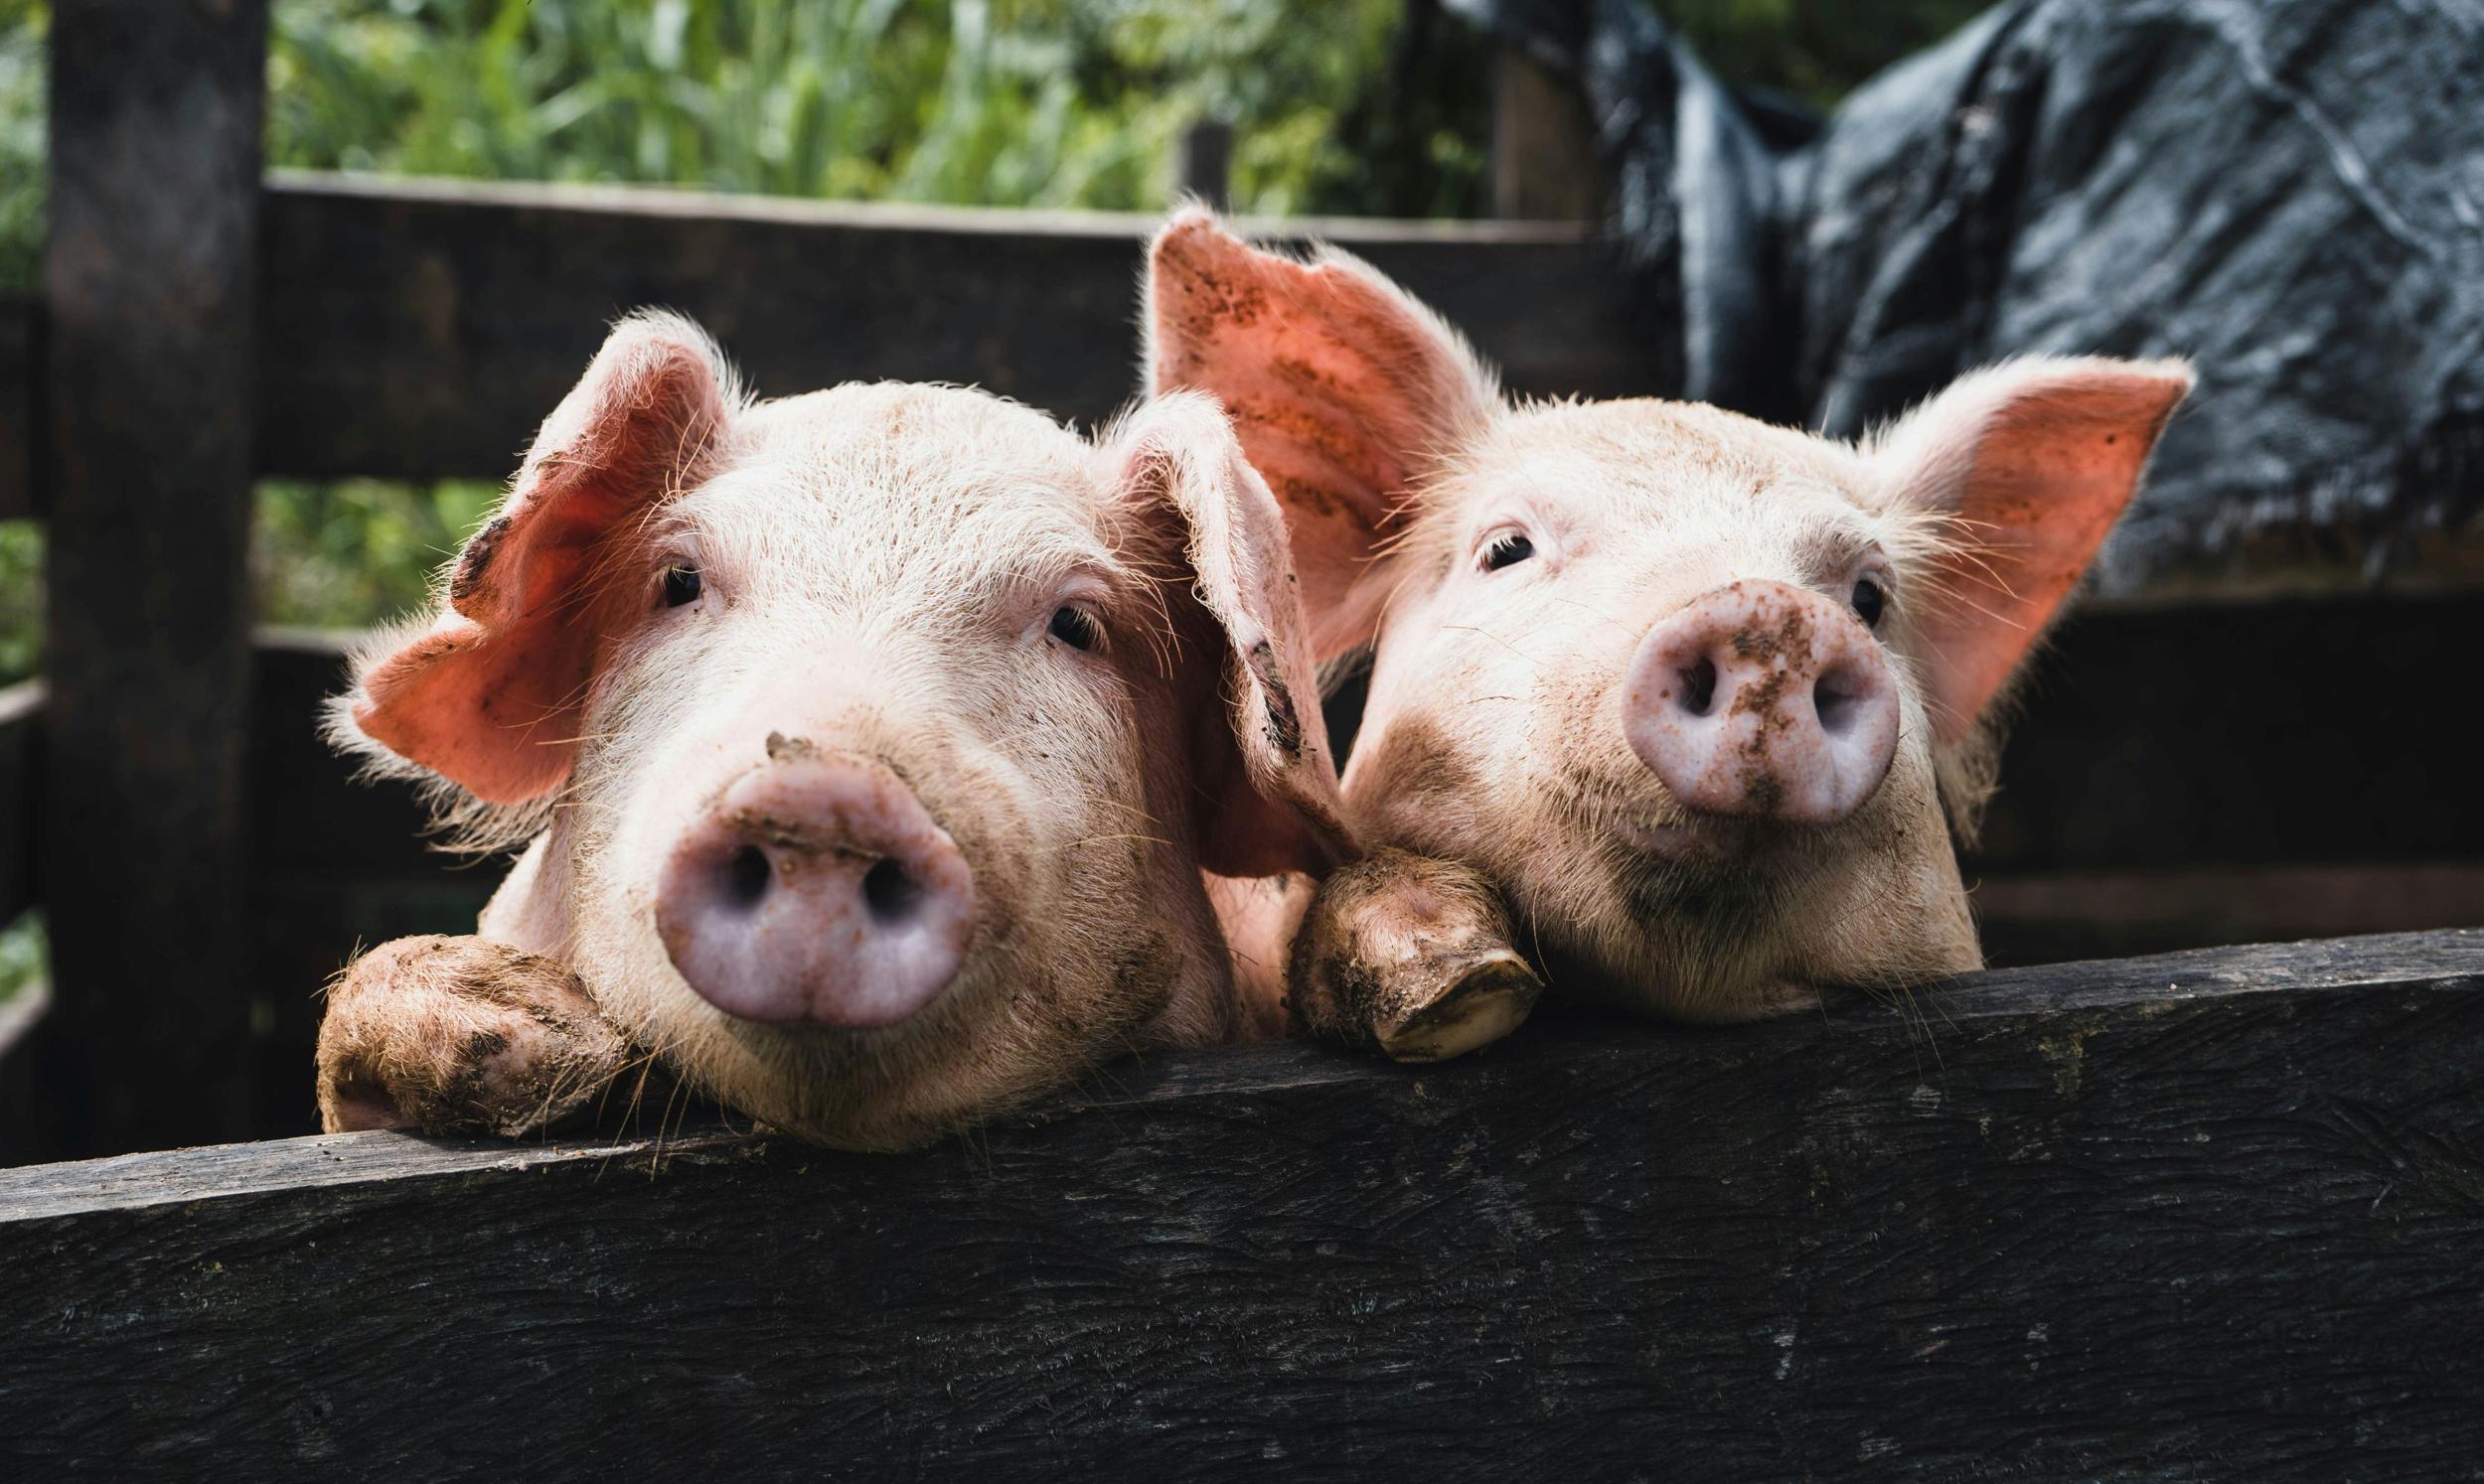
(2289, 193)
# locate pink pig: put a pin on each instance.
(866, 748)
(1695, 702)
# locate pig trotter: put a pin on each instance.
(1411, 956)
(462, 1036)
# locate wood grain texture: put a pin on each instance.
(19, 365)
(151, 269)
(2209, 1215)
(423, 329)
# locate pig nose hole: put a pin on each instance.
(1834, 704)
(889, 891)
(748, 877)
(1699, 686)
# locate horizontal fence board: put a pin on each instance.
(2049, 918)
(18, 366)
(2212, 1213)
(421, 329)
(21, 735)
(2221, 734)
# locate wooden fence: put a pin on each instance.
(2205, 1214)
(2212, 1215)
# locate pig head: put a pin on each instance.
(1704, 698)
(867, 747)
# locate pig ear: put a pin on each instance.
(2026, 465)
(1345, 392)
(488, 696)
(1266, 781)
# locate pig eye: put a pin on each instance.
(681, 585)
(1507, 549)
(1077, 627)
(1868, 602)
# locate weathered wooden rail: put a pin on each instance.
(2206, 1215)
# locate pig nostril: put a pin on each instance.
(748, 877)
(1834, 707)
(889, 891)
(1699, 688)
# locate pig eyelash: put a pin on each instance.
(1504, 549)
(1077, 628)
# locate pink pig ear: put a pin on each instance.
(2032, 462)
(1342, 389)
(1265, 778)
(489, 695)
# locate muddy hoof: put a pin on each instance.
(462, 1036)
(1411, 956)
(1482, 1003)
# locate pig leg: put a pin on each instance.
(462, 1035)
(1412, 955)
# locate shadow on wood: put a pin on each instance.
(2214, 1209)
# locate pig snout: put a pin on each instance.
(1763, 700)
(815, 889)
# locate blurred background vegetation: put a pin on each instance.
(1370, 107)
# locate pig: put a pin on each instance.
(1691, 703)
(867, 749)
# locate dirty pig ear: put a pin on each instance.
(489, 693)
(2028, 464)
(1259, 756)
(1343, 390)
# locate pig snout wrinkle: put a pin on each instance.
(816, 889)
(1763, 700)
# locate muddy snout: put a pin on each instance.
(817, 890)
(1763, 700)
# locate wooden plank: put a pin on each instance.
(336, 865)
(419, 329)
(2184, 738)
(2050, 918)
(151, 268)
(1543, 145)
(20, 741)
(2212, 1212)
(19, 357)
(1203, 164)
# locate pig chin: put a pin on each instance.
(1711, 918)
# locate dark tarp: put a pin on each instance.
(2291, 192)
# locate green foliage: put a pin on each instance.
(22, 955)
(21, 598)
(359, 550)
(1002, 102)
(22, 28)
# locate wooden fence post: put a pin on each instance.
(1543, 145)
(1205, 166)
(151, 272)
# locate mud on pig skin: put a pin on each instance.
(1702, 699)
(867, 749)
